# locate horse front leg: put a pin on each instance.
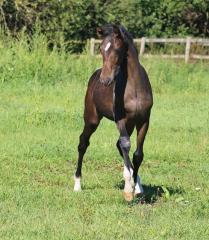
(138, 156)
(91, 123)
(124, 145)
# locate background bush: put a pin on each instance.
(72, 22)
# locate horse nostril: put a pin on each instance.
(107, 77)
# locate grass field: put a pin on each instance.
(41, 107)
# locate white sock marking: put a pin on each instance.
(138, 187)
(128, 179)
(77, 186)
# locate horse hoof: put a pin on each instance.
(77, 186)
(77, 189)
(128, 196)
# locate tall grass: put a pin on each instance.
(30, 62)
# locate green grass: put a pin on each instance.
(41, 108)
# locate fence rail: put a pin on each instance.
(187, 41)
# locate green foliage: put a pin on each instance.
(72, 22)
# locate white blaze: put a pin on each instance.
(107, 46)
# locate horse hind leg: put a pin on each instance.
(138, 156)
(89, 128)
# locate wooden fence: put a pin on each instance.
(187, 41)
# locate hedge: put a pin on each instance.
(72, 22)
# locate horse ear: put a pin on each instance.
(117, 32)
(100, 32)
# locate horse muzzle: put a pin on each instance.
(108, 80)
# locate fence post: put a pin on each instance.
(142, 47)
(92, 42)
(187, 49)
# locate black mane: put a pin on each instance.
(109, 29)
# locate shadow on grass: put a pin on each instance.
(153, 192)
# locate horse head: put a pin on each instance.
(113, 49)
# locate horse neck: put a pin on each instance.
(131, 76)
(133, 66)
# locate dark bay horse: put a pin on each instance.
(119, 91)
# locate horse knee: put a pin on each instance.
(125, 144)
(118, 147)
(83, 144)
(84, 137)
